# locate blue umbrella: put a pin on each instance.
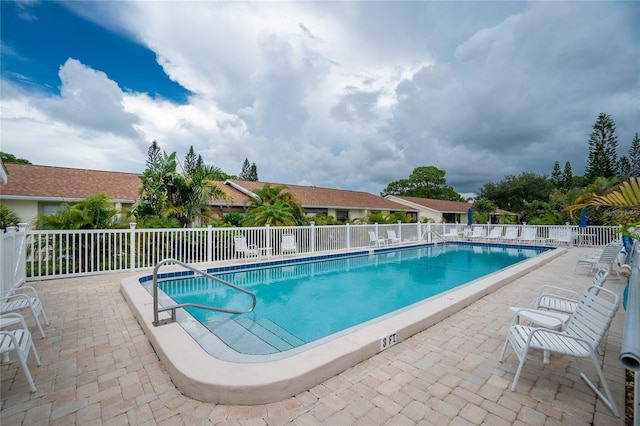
(469, 217)
(583, 218)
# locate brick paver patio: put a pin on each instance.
(99, 368)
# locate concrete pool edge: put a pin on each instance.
(203, 377)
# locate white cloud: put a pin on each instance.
(351, 94)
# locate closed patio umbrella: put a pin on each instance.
(583, 218)
(469, 217)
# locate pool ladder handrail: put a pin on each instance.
(156, 310)
(432, 232)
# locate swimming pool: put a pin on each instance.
(302, 302)
(202, 376)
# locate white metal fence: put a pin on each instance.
(12, 258)
(57, 254)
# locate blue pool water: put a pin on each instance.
(298, 303)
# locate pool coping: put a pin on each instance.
(204, 377)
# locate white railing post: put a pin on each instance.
(400, 230)
(132, 245)
(312, 237)
(429, 232)
(348, 236)
(419, 231)
(267, 238)
(209, 240)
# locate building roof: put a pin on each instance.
(442, 206)
(28, 181)
(59, 183)
(312, 196)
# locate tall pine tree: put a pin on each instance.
(190, 162)
(567, 176)
(634, 156)
(153, 154)
(603, 142)
(556, 175)
(245, 174)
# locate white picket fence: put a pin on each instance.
(57, 254)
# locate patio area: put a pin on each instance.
(99, 368)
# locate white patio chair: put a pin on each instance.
(377, 241)
(477, 234)
(288, 245)
(19, 342)
(580, 339)
(244, 249)
(529, 235)
(452, 234)
(21, 298)
(392, 237)
(495, 234)
(510, 233)
(560, 299)
(606, 257)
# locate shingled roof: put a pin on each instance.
(28, 181)
(59, 183)
(444, 206)
(312, 196)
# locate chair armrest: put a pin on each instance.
(252, 247)
(560, 333)
(16, 296)
(13, 315)
(564, 292)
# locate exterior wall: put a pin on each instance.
(26, 210)
(429, 214)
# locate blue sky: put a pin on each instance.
(347, 95)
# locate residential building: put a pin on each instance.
(32, 190)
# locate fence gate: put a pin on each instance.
(13, 257)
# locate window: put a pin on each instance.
(342, 215)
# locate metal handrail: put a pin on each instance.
(440, 237)
(173, 308)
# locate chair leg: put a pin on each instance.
(607, 398)
(504, 348)
(518, 371)
(44, 315)
(35, 315)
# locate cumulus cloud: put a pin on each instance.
(357, 94)
(88, 98)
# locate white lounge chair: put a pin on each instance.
(22, 298)
(495, 234)
(288, 245)
(392, 237)
(478, 233)
(17, 341)
(606, 257)
(510, 233)
(452, 234)
(244, 249)
(562, 236)
(377, 241)
(580, 339)
(529, 235)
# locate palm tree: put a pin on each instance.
(196, 191)
(274, 206)
(621, 202)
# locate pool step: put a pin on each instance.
(266, 328)
(255, 338)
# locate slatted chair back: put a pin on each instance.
(593, 315)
